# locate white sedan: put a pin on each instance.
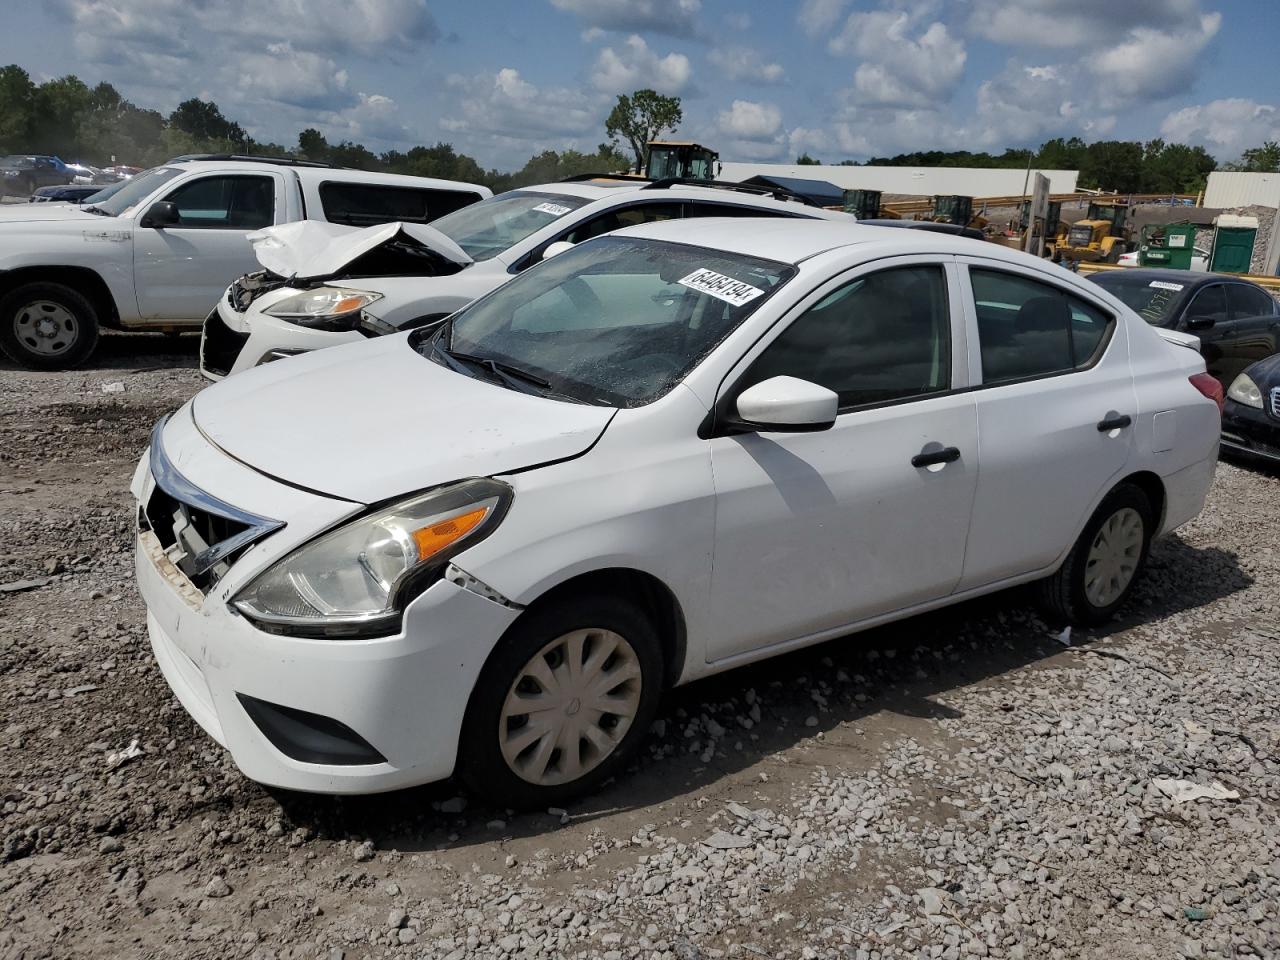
(487, 548)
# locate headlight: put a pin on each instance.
(355, 580)
(324, 308)
(1244, 390)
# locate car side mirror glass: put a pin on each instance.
(788, 405)
(555, 249)
(162, 213)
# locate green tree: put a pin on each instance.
(61, 106)
(203, 121)
(17, 108)
(313, 146)
(640, 117)
(1113, 165)
(1263, 159)
(804, 160)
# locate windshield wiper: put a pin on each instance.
(510, 374)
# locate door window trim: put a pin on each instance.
(970, 306)
(534, 255)
(714, 425)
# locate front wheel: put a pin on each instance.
(47, 326)
(1102, 567)
(562, 703)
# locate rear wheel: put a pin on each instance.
(47, 326)
(1105, 562)
(563, 702)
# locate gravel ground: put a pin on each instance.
(968, 783)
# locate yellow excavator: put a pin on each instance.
(1099, 237)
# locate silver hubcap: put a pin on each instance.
(1113, 558)
(45, 327)
(570, 707)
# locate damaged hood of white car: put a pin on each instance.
(314, 250)
(377, 420)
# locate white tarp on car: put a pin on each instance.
(311, 248)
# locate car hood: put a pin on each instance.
(376, 420)
(48, 212)
(313, 250)
(1265, 373)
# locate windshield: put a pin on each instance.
(1155, 301)
(17, 163)
(487, 228)
(132, 192)
(616, 321)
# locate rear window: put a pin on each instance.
(1155, 301)
(369, 204)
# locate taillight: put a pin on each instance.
(1210, 387)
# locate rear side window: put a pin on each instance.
(1248, 301)
(1031, 329)
(701, 208)
(882, 337)
(369, 204)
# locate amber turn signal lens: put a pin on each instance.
(431, 540)
(348, 305)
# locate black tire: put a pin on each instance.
(79, 333)
(1063, 595)
(481, 765)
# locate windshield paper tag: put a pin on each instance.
(1164, 285)
(555, 209)
(721, 287)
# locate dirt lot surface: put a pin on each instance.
(970, 783)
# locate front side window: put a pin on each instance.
(368, 204)
(623, 217)
(882, 337)
(616, 321)
(230, 203)
(1031, 329)
(1208, 307)
(487, 228)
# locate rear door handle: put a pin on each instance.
(1114, 423)
(945, 455)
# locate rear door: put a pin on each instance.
(1055, 404)
(182, 269)
(1209, 318)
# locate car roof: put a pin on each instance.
(1188, 279)
(342, 174)
(621, 188)
(794, 240)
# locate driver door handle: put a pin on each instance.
(1114, 423)
(945, 455)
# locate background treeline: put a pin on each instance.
(84, 124)
(92, 125)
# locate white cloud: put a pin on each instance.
(901, 64)
(747, 65)
(635, 66)
(1226, 127)
(748, 120)
(1152, 63)
(298, 78)
(818, 16)
(674, 17)
(1077, 23)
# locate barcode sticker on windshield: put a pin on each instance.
(721, 287)
(1164, 285)
(555, 209)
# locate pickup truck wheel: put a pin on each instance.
(46, 326)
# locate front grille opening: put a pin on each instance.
(220, 345)
(185, 531)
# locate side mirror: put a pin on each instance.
(788, 405)
(162, 213)
(555, 249)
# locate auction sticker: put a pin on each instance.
(555, 209)
(721, 287)
(1164, 285)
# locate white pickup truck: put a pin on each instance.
(157, 251)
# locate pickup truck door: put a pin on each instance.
(180, 270)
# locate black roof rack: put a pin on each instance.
(281, 161)
(777, 193)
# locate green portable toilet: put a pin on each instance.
(1233, 239)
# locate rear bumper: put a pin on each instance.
(1249, 431)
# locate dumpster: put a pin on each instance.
(1167, 245)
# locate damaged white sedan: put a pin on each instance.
(487, 548)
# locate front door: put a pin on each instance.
(181, 269)
(1056, 407)
(815, 531)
